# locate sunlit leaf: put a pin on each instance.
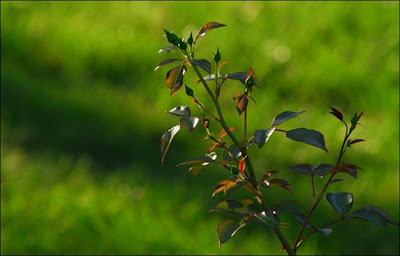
(210, 77)
(167, 61)
(263, 219)
(336, 113)
(166, 140)
(189, 123)
(174, 78)
(195, 169)
(222, 64)
(268, 174)
(234, 151)
(286, 206)
(237, 96)
(207, 27)
(213, 147)
(223, 133)
(281, 183)
(311, 137)
(203, 63)
(341, 201)
(228, 185)
(227, 228)
(242, 164)
(262, 136)
(284, 116)
(180, 111)
(200, 159)
(168, 49)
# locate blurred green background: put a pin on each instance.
(82, 114)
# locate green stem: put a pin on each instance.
(313, 188)
(244, 128)
(323, 226)
(253, 179)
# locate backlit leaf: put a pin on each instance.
(284, 116)
(207, 27)
(228, 185)
(227, 228)
(341, 201)
(166, 140)
(223, 133)
(242, 164)
(180, 111)
(174, 78)
(311, 137)
(167, 61)
(262, 136)
(242, 206)
(189, 123)
(234, 151)
(242, 104)
(195, 169)
(286, 206)
(204, 64)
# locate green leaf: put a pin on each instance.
(227, 228)
(241, 76)
(180, 111)
(189, 91)
(300, 218)
(167, 49)
(325, 231)
(281, 183)
(375, 215)
(234, 151)
(200, 159)
(189, 123)
(311, 137)
(174, 78)
(305, 169)
(204, 64)
(322, 169)
(172, 38)
(263, 219)
(210, 77)
(217, 56)
(207, 27)
(167, 61)
(354, 119)
(241, 207)
(166, 140)
(287, 206)
(341, 201)
(190, 39)
(284, 116)
(262, 136)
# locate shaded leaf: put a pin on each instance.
(369, 214)
(305, 169)
(301, 218)
(207, 27)
(227, 228)
(242, 206)
(263, 219)
(335, 180)
(286, 206)
(284, 116)
(168, 49)
(167, 61)
(203, 63)
(174, 78)
(234, 151)
(166, 140)
(189, 91)
(180, 111)
(262, 136)
(325, 231)
(348, 168)
(281, 183)
(172, 38)
(242, 104)
(200, 159)
(311, 137)
(337, 113)
(341, 201)
(223, 133)
(322, 169)
(189, 123)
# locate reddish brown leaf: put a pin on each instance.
(242, 104)
(242, 164)
(359, 115)
(223, 133)
(223, 184)
(337, 113)
(222, 64)
(174, 78)
(237, 96)
(268, 174)
(207, 27)
(355, 141)
(281, 183)
(213, 147)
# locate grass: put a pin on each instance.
(83, 113)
